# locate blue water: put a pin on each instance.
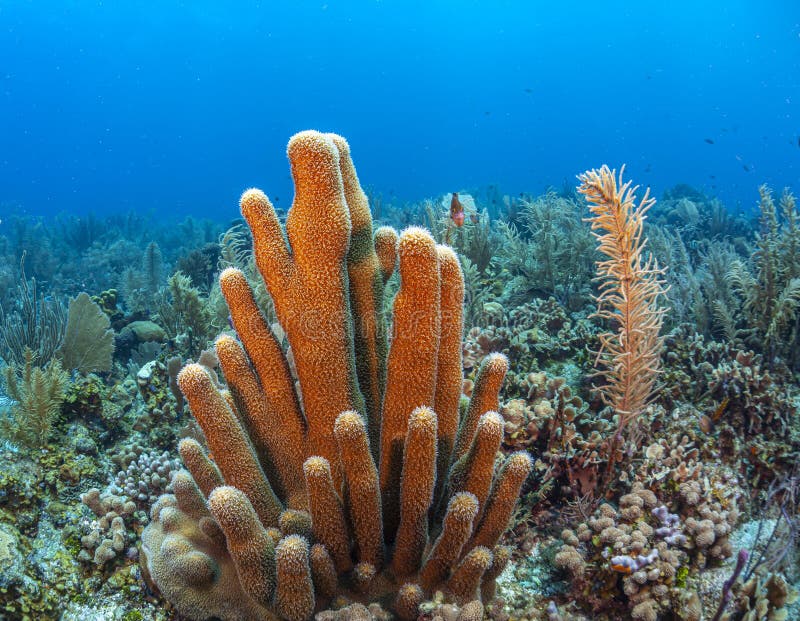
(177, 107)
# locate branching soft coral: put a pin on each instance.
(631, 288)
(552, 254)
(38, 393)
(769, 292)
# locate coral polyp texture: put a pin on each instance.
(338, 470)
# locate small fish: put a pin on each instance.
(706, 424)
(473, 217)
(746, 168)
(708, 140)
(456, 211)
(798, 141)
(528, 90)
(713, 176)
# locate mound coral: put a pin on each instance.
(348, 475)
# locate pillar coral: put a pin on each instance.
(326, 484)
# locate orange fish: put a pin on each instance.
(456, 211)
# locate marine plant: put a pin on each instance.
(364, 483)
(152, 266)
(141, 283)
(476, 293)
(38, 392)
(183, 311)
(481, 243)
(200, 265)
(685, 279)
(36, 322)
(236, 251)
(28, 239)
(697, 217)
(473, 237)
(79, 233)
(768, 288)
(550, 253)
(630, 298)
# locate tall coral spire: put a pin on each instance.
(247, 541)
(631, 289)
(503, 498)
(416, 492)
(327, 514)
(367, 280)
(484, 399)
(363, 492)
(307, 279)
(448, 370)
(413, 357)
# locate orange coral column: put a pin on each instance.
(274, 428)
(307, 279)
(448, 372)
(413, 358)
(367, 279)
(229, 444)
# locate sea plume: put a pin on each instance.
(631, 289)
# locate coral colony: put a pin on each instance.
(576, 406)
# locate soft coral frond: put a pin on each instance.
(631, 287)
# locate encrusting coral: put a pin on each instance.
(350, 475)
